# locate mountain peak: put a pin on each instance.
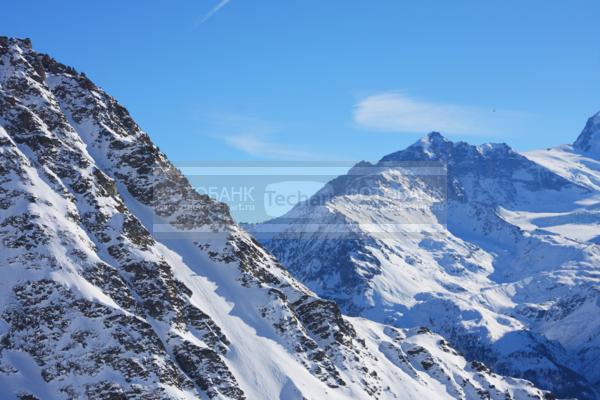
(433, 137)
(433, 142)
(433, 146)
(589, 139)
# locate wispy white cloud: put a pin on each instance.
(212, 11)
(258, 146)
(401, 113)
(257, 137)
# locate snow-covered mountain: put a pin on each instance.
(497, 253)
(94, 305)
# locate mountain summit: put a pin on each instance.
(436, 147)
(433, 146)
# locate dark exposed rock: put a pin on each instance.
(208, 371)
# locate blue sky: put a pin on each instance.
(330, 80)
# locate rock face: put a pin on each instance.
(589, 140)
(94, 305)
(497, 253)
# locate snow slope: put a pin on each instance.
(579, 163)
(95, 305)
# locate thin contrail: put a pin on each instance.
(216, 8)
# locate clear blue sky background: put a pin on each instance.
(325, 79)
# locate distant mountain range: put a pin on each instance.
(499, 252)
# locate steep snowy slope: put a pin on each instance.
(468, 262)
(94, 305)
(578, 163)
